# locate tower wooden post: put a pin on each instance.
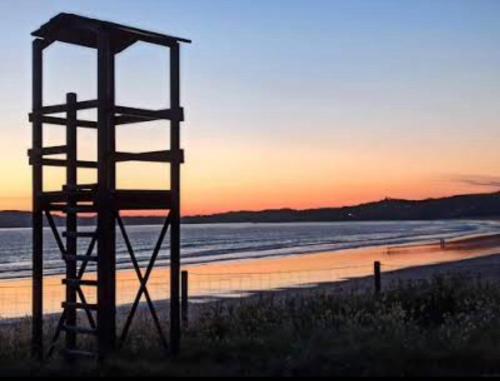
(175, 329)
(37, 189)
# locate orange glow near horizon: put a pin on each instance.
(255, 176)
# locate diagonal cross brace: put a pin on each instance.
(57, 237)
(143, 280)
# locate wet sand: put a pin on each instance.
(238, 278)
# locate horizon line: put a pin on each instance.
(387, 198)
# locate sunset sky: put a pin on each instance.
(288, 103)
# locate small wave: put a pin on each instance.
(222, 242)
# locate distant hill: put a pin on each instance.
(463, 206)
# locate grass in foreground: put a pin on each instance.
(447, 326)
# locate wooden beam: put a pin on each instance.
(142, 200)
(63, 163)
(62, 121)
(81, 187)
(154, 156)
(62, 196)
(82, 105)
(175, 183)
(135, 115)
(37, 215)
(54, 150)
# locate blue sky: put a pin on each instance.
(397, 97)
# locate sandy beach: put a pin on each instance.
(233, 279)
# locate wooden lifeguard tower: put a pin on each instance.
(102, 199)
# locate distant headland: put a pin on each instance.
(485, 205)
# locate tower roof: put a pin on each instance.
(79, 30)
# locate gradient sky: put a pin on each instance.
(288, 103)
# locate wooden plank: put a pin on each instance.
(81, 187)
(139, 114)
(64, 163)
(153, 156)
(62, 196)
(53, 150)
(62, 121)
(56, 109)
(129, 119)
(142, 200)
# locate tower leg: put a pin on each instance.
(175, 322)
(71, 219)
(37, 276)
(106, 272)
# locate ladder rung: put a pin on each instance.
(80, 282)
(85, 331)
(83, 258)
(79, 234)
(79, 306)
(78, 353)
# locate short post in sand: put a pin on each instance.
(377, 276)
(185, 298)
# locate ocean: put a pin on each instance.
(206, 243)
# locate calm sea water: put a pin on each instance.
(218, 242)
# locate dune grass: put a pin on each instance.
(447, 326)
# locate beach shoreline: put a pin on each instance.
(234, 279)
